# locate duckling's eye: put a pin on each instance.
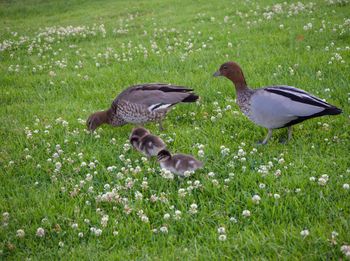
(224, 68)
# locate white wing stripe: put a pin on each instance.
(158, 106)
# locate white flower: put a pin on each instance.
(322, 181)
(115, 233)
(104, 220)
(98, 232)
(222, 237)
(166, 216)
(312, 179)
(304, 233)
(221, 230)
(345, 249)
(40, 232)
(246, 213)
(276, 196)
(211, 174)
(80, 234)
(262, 185)
(233, 219)
(5, 216)
(193, 208)
(164, 230)
(256, 199)
(60, 244)
(346, 186)
(74, 225)
(144, 219)
(20, 233)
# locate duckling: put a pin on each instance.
(178, 163)
(136, 135)
(148, 144)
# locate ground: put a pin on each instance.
(69, 194)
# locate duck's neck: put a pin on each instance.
(105, 116)
(239, 82)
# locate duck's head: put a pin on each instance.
(136, 134)
(163, 155)
(96, 119)
(232, 71)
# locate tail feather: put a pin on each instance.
(333, 111)
(191, 98)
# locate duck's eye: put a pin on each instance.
(224, 68)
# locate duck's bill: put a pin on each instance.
(216, 74)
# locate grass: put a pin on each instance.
(49, 80)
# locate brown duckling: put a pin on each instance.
(179, 164)
(148, 144)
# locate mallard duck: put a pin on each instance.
(178, 163)
(142, 140)
(274, 107)
(140, 104)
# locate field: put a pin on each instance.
(68, 194)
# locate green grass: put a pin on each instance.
(200, 42)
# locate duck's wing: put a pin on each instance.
(282, 106)
(157, 95)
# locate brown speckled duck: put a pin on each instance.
(140, 104)
(142, 140)
(274, 107)
(178, 163)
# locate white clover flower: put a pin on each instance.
(74, 225)
(166, 174)
(144, 219)
(193, 209)
(177, 214)
(115, 233)
(221, 230)
(98, 232)
(222, 237)
(61, 244)
(312, 179)
(182, 192)
(278, 173)
(5, 216)
(256, 199)
(40, 232)
(322, 181)
(138, 195)
(346, 186)
(104, 220)
(81, 234)
(201, 153)
(262, 185)
(20, 233)
(346, 250)
(233, 219)
(305, 233)
(166, 216)
(276, 196)
(246, 213)
(211, 174)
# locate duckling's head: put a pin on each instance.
(163, 155)
(96, 119)
(139, 132)
(232, 71)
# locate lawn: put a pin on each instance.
(68, 194)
